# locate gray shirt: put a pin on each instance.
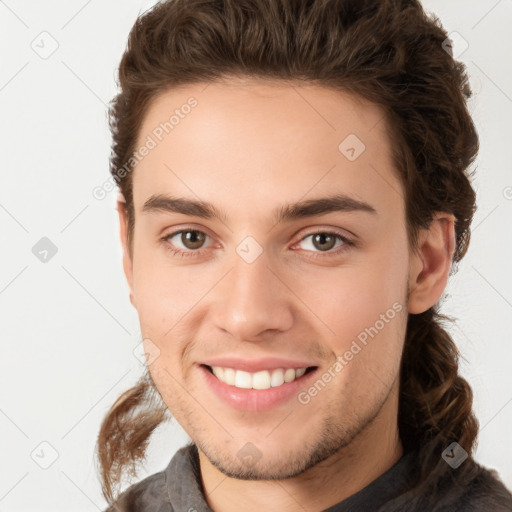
(178, 489)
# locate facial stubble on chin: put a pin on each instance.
(334, 438)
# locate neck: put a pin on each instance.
(352, 468)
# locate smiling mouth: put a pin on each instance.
(264, 379)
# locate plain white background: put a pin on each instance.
(68, 330)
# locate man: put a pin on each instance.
(294, 191)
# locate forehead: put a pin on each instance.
(253, 137)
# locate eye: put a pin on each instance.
(326, 241)
(186, 242)
(191, 239)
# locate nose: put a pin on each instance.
(252, 301)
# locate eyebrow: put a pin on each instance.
(293, 211)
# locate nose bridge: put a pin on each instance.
(251, 300)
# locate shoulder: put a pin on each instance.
(148, 495)
(165, 491)
(468, 488)
(485, 492)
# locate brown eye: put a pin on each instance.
(187, 243)
(324, 241)
(328, 242)
(192, 239)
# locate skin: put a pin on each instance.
(251, 146)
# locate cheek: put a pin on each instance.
(351, 299)
(364, 308)
(164, 293)
(369, 332)
(168, 303)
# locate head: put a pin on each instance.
(304, 194)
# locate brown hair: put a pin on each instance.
(387, 51)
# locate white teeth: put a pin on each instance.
(289, 375)
(277, 378)
(243, 380)
(218, 372)
(229, 376)
(259, 380)
(300, 372)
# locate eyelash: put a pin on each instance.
(347, 244)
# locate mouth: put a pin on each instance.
(260, 380)
(257, 383)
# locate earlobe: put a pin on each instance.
(431, 263)
(127, 260)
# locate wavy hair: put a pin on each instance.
(389, 52)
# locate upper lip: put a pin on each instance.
(256, 365)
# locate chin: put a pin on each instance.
(270, 462)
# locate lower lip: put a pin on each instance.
(256, 399)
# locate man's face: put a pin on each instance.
(262, 293)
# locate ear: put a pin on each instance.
(123, 232)
(430, 265)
